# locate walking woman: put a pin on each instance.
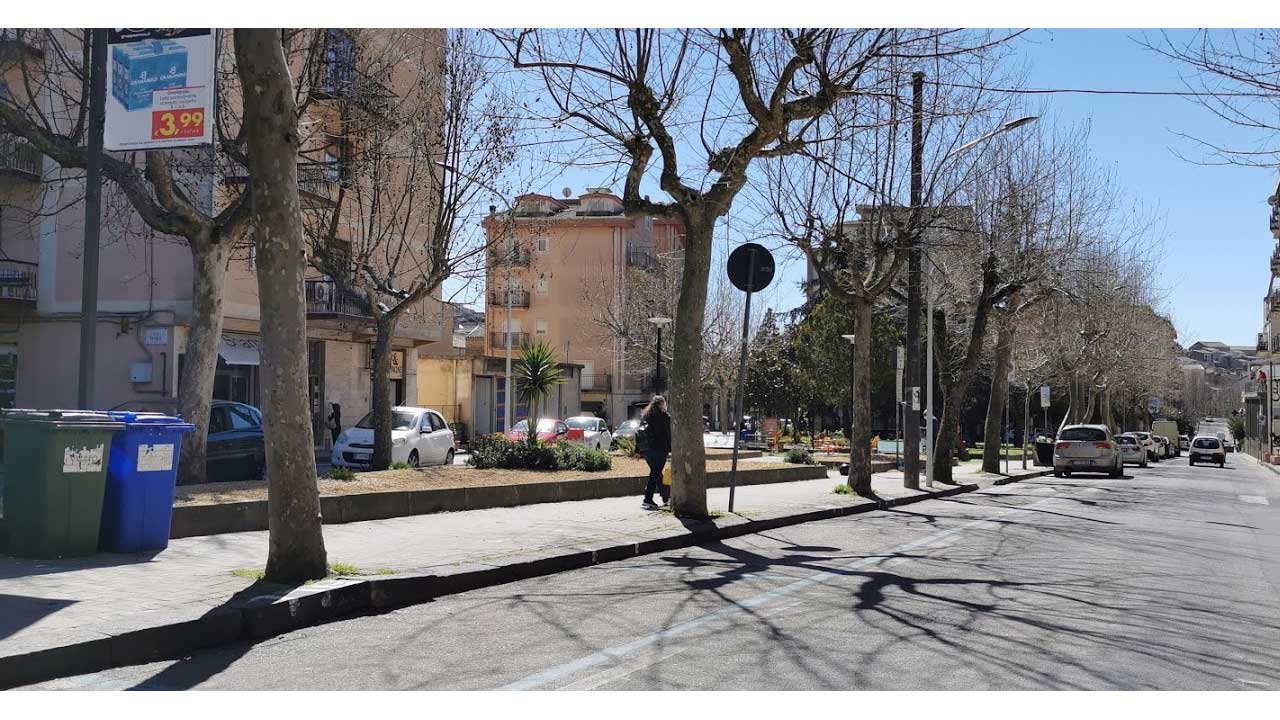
(657, 428)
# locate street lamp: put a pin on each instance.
(660, 322)
(853, 398)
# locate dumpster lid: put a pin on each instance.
(148, 418)
(77, 417)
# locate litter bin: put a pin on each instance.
(1044, 452)
(55, 470)
(137, 507)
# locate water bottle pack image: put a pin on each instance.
(140, 69)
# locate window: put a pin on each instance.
(540, 327)
(1206, 443)
(581, 423)
(400, 420)
(1084, 434)
(241, 420)
(543, 244)
(540, 286)
(437, 422)
(217, 420)
(546, 425)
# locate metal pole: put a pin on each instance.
(742, 381)
(911, 434)
(1271, 366)
(929, 386)
(1007, 425)
(92, 218)
(508, 406)
(1026, 422)
(657, 380)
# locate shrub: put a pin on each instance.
(842, 489)
(799, 456)
(571, 456)
(340, 473)
(495, 451)
(627, 445)
(401, 466)
(490, 451)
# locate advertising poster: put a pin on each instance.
(160, 88)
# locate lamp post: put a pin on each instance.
(853, 398)
(659, 322)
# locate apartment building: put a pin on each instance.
(145, 280)
(566, 271)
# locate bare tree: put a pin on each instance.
(710, 103)
(47, 106)
(296, 551)
(399, 226)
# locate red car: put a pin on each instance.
(548, 430)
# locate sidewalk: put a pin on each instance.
(63, 617)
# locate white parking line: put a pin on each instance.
(1255, 499)
(617, 653)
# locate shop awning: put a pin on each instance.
(240, 350)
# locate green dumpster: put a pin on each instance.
(55, 472)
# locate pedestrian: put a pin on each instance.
(335, 421)
(657, 430)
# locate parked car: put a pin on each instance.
(546, 430)
(1148, 442)
(1131, 450)
(1165, 449)
(1207, 449)
(595, 434)
(1184, 443)
(1086, 448)
(1229, 444)
(235, 450)
(419, 436)
(627, 429)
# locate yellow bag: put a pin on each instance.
(666, 476)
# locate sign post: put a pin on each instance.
(750, 270)
(1044, 403)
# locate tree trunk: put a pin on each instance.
(944, 445)
(860, 378)
(296, 549)
(382, 400)
(688, 458)
(992, 437)
(195, 386)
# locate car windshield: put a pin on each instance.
(546, 425)
(1126, 440)
(1083, 434)
(581, 423)
(629, 425)
(522, 426)
(400, 420)
(1207, 443)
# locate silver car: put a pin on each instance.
(1148, 441)
(1087, 448)
(1131, 450)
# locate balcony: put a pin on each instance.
(20, 159)
(499, 257)
(1262, 342)
(498, 341)
(1275, 261)
(325, 299)
(641, 258)
(1273, 302)
(336, 77)
(317, 181)
(1275, 220)
(596, 382)
(22, 41)
(516, 298)
(17, 281)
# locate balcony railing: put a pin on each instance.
(641, 258)
(597, 382)
(1273, 301)
(1275, 218)
(499, 257)
(18, 280)
(517, 298)
(1262, 342)
(325, 297)
(499, 340)
(1275, 261)
(20, 158)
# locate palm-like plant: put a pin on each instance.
(537, 373)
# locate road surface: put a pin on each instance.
(1166, 579)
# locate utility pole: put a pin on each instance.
(911, 434)
(92, 219)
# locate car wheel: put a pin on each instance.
(1117, 472)
(1066, 473)
(1192, 463)
(1222, 464)
(1057, 473)
(448, 458)
(413, 458)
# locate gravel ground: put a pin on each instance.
(425, 478)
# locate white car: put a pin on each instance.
(595, 433)
(1131, 450)
(1087, 448)
(419, 436)
(1148, 441)
(1207, 449)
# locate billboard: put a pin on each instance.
(160, 88)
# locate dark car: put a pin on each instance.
(236, 449)
(626, 430)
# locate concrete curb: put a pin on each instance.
(192, 520)
(278, 612)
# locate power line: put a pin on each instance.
(1094, 91)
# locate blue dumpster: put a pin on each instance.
(142, 472)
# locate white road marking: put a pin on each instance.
(617, 653)
(1255, 499)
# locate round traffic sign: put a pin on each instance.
(751, 267)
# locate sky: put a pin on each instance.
(1213, 227)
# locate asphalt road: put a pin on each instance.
(1166, 579)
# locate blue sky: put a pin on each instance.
(1214, 230)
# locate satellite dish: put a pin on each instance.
(567, 192)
